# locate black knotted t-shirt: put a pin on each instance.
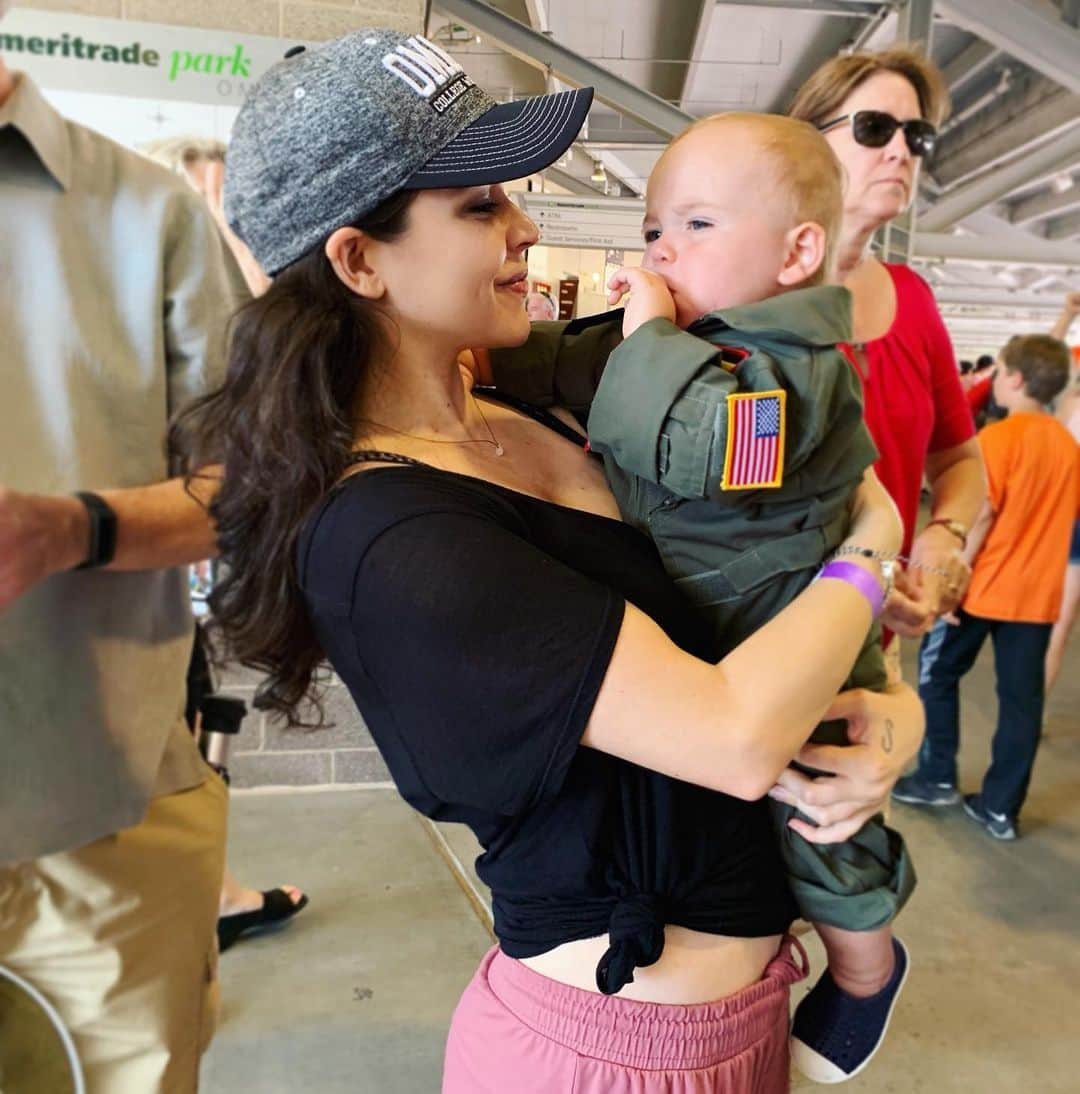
(473, 626)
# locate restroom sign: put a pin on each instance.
(64, 52)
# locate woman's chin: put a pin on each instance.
(888, 204)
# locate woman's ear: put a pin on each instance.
(806, 248)
(348, 252)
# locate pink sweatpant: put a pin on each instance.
(517, 1031)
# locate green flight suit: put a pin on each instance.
(657, 407)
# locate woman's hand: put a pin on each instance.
(885, 730)
(938, 570)
(650, 298)
(907, 612)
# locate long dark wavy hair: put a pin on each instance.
(282, 427)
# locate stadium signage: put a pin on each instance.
(146, 60)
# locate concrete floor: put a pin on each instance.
(357, 993)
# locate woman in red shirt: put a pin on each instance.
(879, 112)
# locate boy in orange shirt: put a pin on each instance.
(1018, 549)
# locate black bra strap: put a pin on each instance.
(372, 455)
(538, 414)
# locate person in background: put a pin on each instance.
(880, 111)
(112, 828)
(539, 307)
(1019, 547)
(200, 161)
(980, 393)
(1068, 413)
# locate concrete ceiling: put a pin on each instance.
(1005, 180)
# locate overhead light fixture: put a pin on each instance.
(599, 175)
(1062, 183)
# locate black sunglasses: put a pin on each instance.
(875, 128)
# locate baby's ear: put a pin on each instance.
(804, 254)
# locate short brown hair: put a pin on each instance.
(805, 171)
(1042, 361)
(821, 96)
(176, 153)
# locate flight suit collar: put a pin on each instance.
(818, 316)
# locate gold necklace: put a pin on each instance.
(494, 441)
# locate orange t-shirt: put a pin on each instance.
(1033, 464)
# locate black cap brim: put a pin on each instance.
(510, 141)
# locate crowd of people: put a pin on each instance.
(662, 503)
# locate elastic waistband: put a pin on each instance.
(630, 1033)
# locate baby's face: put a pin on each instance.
(715, 229)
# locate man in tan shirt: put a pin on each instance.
(111, 827)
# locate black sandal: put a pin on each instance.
(277, 907)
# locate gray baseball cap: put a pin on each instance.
(329, 133)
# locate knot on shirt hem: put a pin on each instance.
(636, 933)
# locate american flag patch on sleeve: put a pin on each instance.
(755, 440)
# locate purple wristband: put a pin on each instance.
(854, 575)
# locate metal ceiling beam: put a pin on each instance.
(1052, 156)
(548, 55)
(969, 62)
(864, 8)
(996, 298)
(537, 13)
(1064, 227)
(998, 141)
(916, 23)
(986, 250)
(623, 146)
(571, 182)
(697, 46)
(1041, 206)
(1048, 44)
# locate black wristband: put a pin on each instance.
(102, 546)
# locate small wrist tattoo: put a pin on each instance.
(887, 736)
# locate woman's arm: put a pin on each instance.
(1069, 311)
(735, 726)
(958, 489)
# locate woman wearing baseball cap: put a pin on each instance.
(519, 655)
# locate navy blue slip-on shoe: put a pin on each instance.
(1000, 825)
(917, 790)
(835, 1035)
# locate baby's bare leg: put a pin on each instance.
(860, 962)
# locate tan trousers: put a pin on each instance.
(120, 936)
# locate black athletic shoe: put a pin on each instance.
(835, 1035)
(999, 825)
(915, 790)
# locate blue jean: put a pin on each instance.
(945, 656)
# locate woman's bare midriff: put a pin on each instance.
(695, 967)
